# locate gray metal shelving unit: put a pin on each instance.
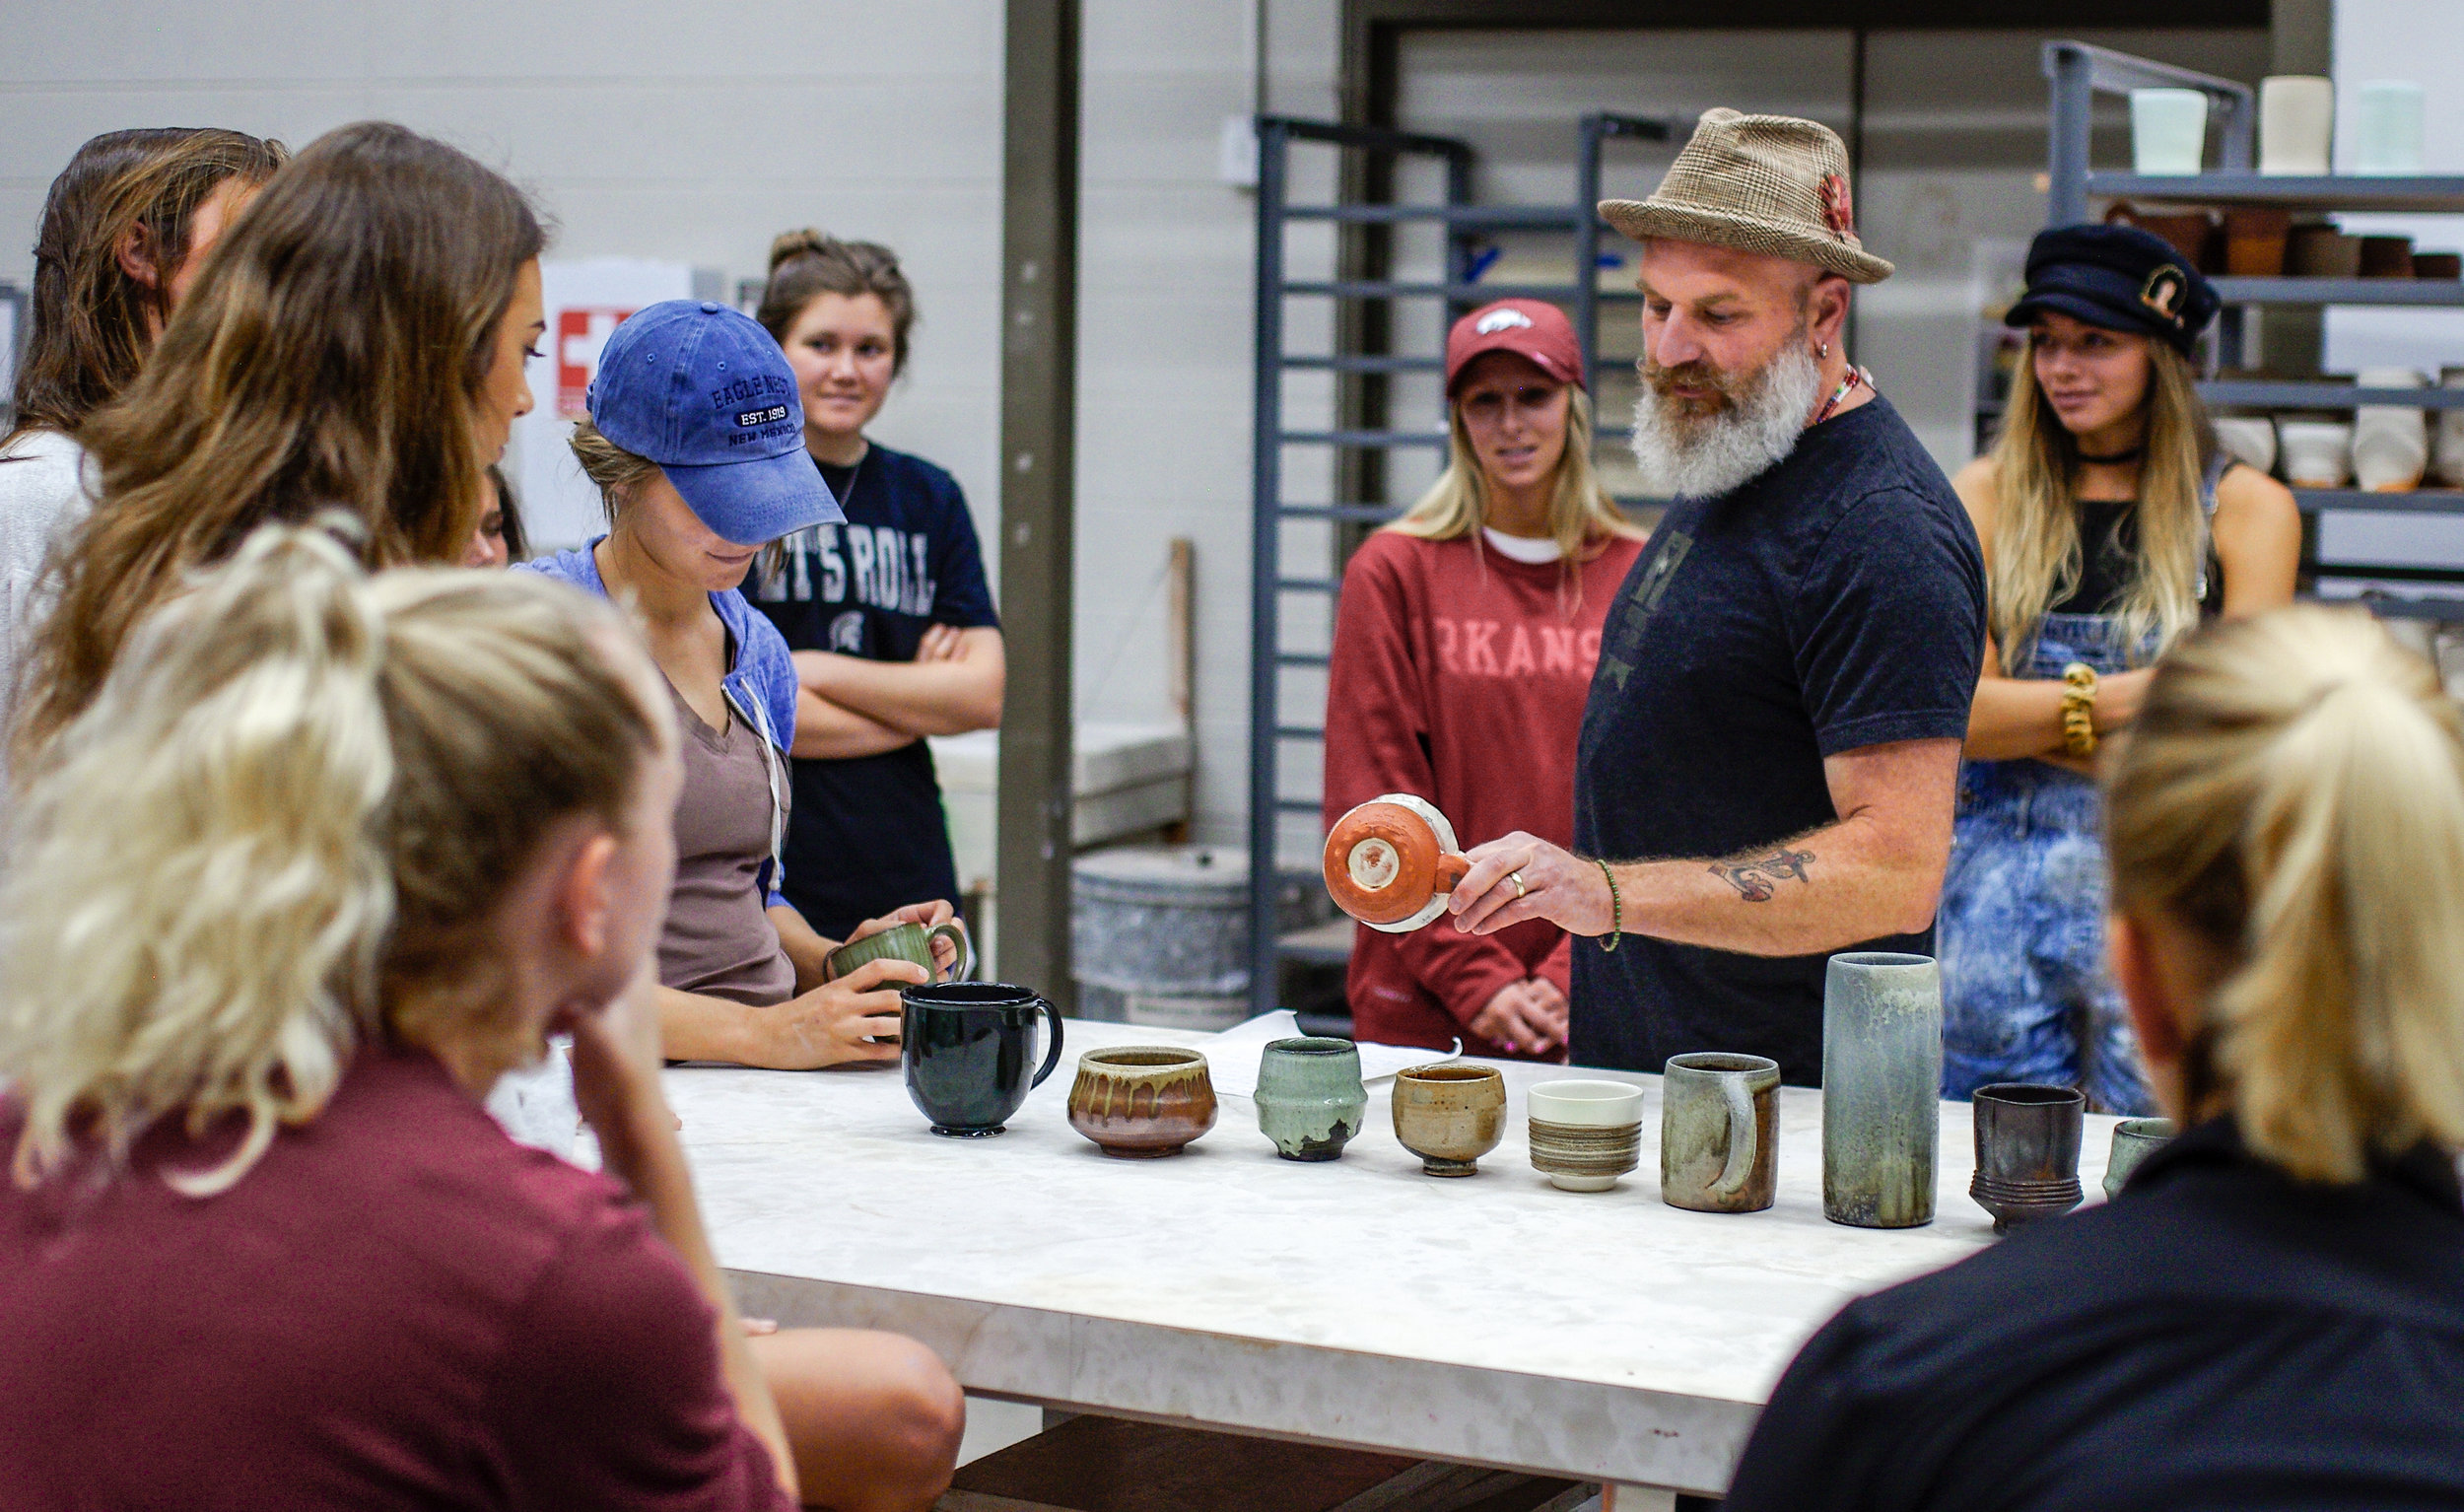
(1465, 225)
(2078, 72)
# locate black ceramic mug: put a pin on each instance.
(966, 1046)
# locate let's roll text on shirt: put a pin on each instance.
(867, 833)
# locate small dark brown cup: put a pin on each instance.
(2026, 1151)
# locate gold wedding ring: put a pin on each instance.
(1516, 878)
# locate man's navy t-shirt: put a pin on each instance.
(1835, 603)
(867, 833)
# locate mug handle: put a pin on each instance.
(1051, 1057)
(956, 930)
(1743, 1135)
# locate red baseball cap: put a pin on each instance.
(1529, 328)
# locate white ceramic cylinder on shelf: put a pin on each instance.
(2317, 454)
(2168, 130)
(2297, 124)
(2248, 438)
(2448, 456)
(2390, 443)
(2387, 127)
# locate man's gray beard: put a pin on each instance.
(1715, 456)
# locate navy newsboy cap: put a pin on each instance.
(2119, 277)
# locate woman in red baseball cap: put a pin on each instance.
(1463, 649)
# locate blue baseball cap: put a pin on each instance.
(701, 391)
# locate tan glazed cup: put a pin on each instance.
(1450, 1116)
(1143, 1101)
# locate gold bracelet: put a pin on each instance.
(2078, 710)
(1616, 907)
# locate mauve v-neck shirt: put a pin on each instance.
(718, 938)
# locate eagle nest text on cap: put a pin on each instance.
(1772, 184)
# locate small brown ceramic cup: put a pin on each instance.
(1450, 1116)
(1140, 1102)
(1719, 1131)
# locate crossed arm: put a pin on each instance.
(853, 705)
(1877, 870)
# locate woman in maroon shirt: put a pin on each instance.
(1463, 653)
(322, 859)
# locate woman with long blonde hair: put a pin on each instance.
(2111, 523)
(324, 858)
(1463, 647)
(2271, 1313)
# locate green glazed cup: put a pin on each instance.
(2134, 1141)
(905, 942)
(1309, 1097)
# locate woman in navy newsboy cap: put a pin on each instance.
(2111, 523)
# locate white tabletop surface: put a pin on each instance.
(1491, 1319)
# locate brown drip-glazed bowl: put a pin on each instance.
(1141, 1102)
(1450, 1116)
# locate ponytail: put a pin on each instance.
(807, 264)
(2293, 793)
(282, 828)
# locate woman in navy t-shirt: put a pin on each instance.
(889, 615)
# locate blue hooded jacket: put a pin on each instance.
(760, 686)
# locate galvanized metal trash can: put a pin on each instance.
(1159, 934)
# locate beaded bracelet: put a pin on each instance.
(1616, 907)
(2078, 710)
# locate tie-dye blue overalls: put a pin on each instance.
(2027, 996)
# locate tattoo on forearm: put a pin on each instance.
(1758, 878)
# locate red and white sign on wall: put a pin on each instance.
(582, 334)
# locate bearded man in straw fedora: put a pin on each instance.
(1771, 748)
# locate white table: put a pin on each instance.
(1490, 1320)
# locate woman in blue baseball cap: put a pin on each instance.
(696, 441)
(2111, 522)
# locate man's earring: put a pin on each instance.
(1821, 351)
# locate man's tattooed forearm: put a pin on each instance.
(1758, 878)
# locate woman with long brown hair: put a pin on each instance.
(2111, 523)
(355, 342)
(125, 228)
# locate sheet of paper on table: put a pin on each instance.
(1232, 1056)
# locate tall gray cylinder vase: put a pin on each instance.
(1882, 1089)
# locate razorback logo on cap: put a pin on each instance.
(1839, 210)
(2163, 292)
(1500, 321)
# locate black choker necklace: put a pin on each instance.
(2114, 459)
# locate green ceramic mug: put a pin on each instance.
(905, 942)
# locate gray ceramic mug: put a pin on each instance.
(906, 942)
(2134, 1141)
(1882, 1089)
(1310, 1098)
(1719, 1131)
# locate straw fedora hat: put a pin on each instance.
(1759, 183)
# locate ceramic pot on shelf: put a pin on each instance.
(2297, 124)
(2168, 130)
(2249, 439)
(2390, 443)
(2322, 251)
(2389, 127)
(2450, 455)
(2316, 453)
